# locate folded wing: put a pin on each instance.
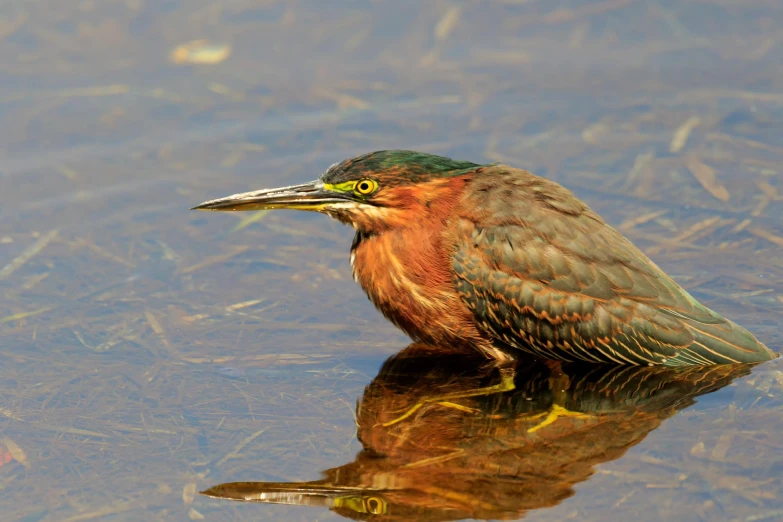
(543, 273)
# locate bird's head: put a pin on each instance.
(373, 192)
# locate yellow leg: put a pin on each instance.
(554, 413)
(559, 384)
(506, 384)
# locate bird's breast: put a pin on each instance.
(407, 276)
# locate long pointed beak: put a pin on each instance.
(308, 196)
(301, 493)
(357, 499)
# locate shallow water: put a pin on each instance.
(151, 352)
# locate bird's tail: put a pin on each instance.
(723, 342)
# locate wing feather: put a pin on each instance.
(543, 273)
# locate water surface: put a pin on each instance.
(150, 352)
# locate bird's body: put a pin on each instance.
(505, 261)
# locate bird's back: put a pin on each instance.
(543, 273)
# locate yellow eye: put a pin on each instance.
(376, 506)
(365, 187)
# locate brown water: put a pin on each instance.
(150, 352)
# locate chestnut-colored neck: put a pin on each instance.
(405, 267)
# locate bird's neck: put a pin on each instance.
(413, 254)
(409, 244)
(406, 272)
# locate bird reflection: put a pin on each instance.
(445, 438)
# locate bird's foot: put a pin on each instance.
(506, 384)
(553, 414)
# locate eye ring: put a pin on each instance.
(375, 505)
(365, 187)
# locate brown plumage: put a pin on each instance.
(504, 261)
(486, 456)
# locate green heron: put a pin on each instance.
(502, 260)
(481, 456)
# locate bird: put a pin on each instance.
(497, 259)
(487, 457)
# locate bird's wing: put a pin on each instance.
(553, 279)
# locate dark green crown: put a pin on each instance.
(396, 167)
